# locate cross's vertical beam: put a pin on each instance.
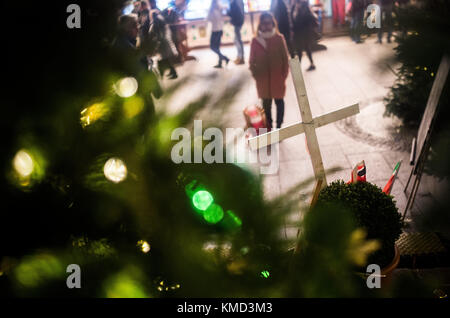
(305, 111)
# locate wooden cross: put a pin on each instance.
(308, 126)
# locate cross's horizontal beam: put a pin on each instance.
(266, 139)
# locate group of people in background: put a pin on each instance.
(215, 17)
(357, 9)
(148, 31)
(295, 21)
(288, 30)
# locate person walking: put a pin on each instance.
(357, 14)
(162, 35)
(281, 10)
(215, 17)
(237, 16)
(144, 19)
(386, 20)
(269, 66)
(304, 30)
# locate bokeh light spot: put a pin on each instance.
(202, 200)
(23, 163)
(235, 218)
(265, 274)
(115, 170)
(145, 247)
(213, 214)
(133, 106)
(93, 113)
(126, 87)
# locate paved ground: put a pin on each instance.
(346, 73)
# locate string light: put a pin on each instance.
(202, 200)
(133, 106)
(115, 170)
(23, 163)
(145, 247)
(126, 87)
(213, 214)
(265, 274)
(93, 113)
(235, 218)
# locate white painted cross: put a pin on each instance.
(308, 126)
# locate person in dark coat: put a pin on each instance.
(269, 65)
(131, 60)
(144, 19)
(304, 30)
(357, 15)
(129, 57)
(162, 35)
(237, 15)
(281, 11)
(386, 19)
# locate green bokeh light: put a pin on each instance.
(202, 200)
(125, 284)
(38, 269)
(235, 218)
(265, 274)
(214, 214)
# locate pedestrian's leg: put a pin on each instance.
(380, 30)
(358, 26)
(280, 111)
(309, 54)
(267, 105)
(298, 49)
(238, 42)
(214, 44)
(352, 28)
(222, 57)
(388, 23)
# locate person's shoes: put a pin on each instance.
(227, 60)
(389, 40)
(358, 41)
(239, 61)
(311, 68)
(218, 66)
(379, 41)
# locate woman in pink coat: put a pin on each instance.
(269, 66)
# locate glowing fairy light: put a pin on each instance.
(133, 106)
(145, 247)
(93, 113)
(202, 200)
(213, 214)
(265, 274)
(126, 87)
(23, 163)
(235, 218)
(115, 170)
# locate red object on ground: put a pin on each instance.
(255, 117)
(388, 187)
(359, 173)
